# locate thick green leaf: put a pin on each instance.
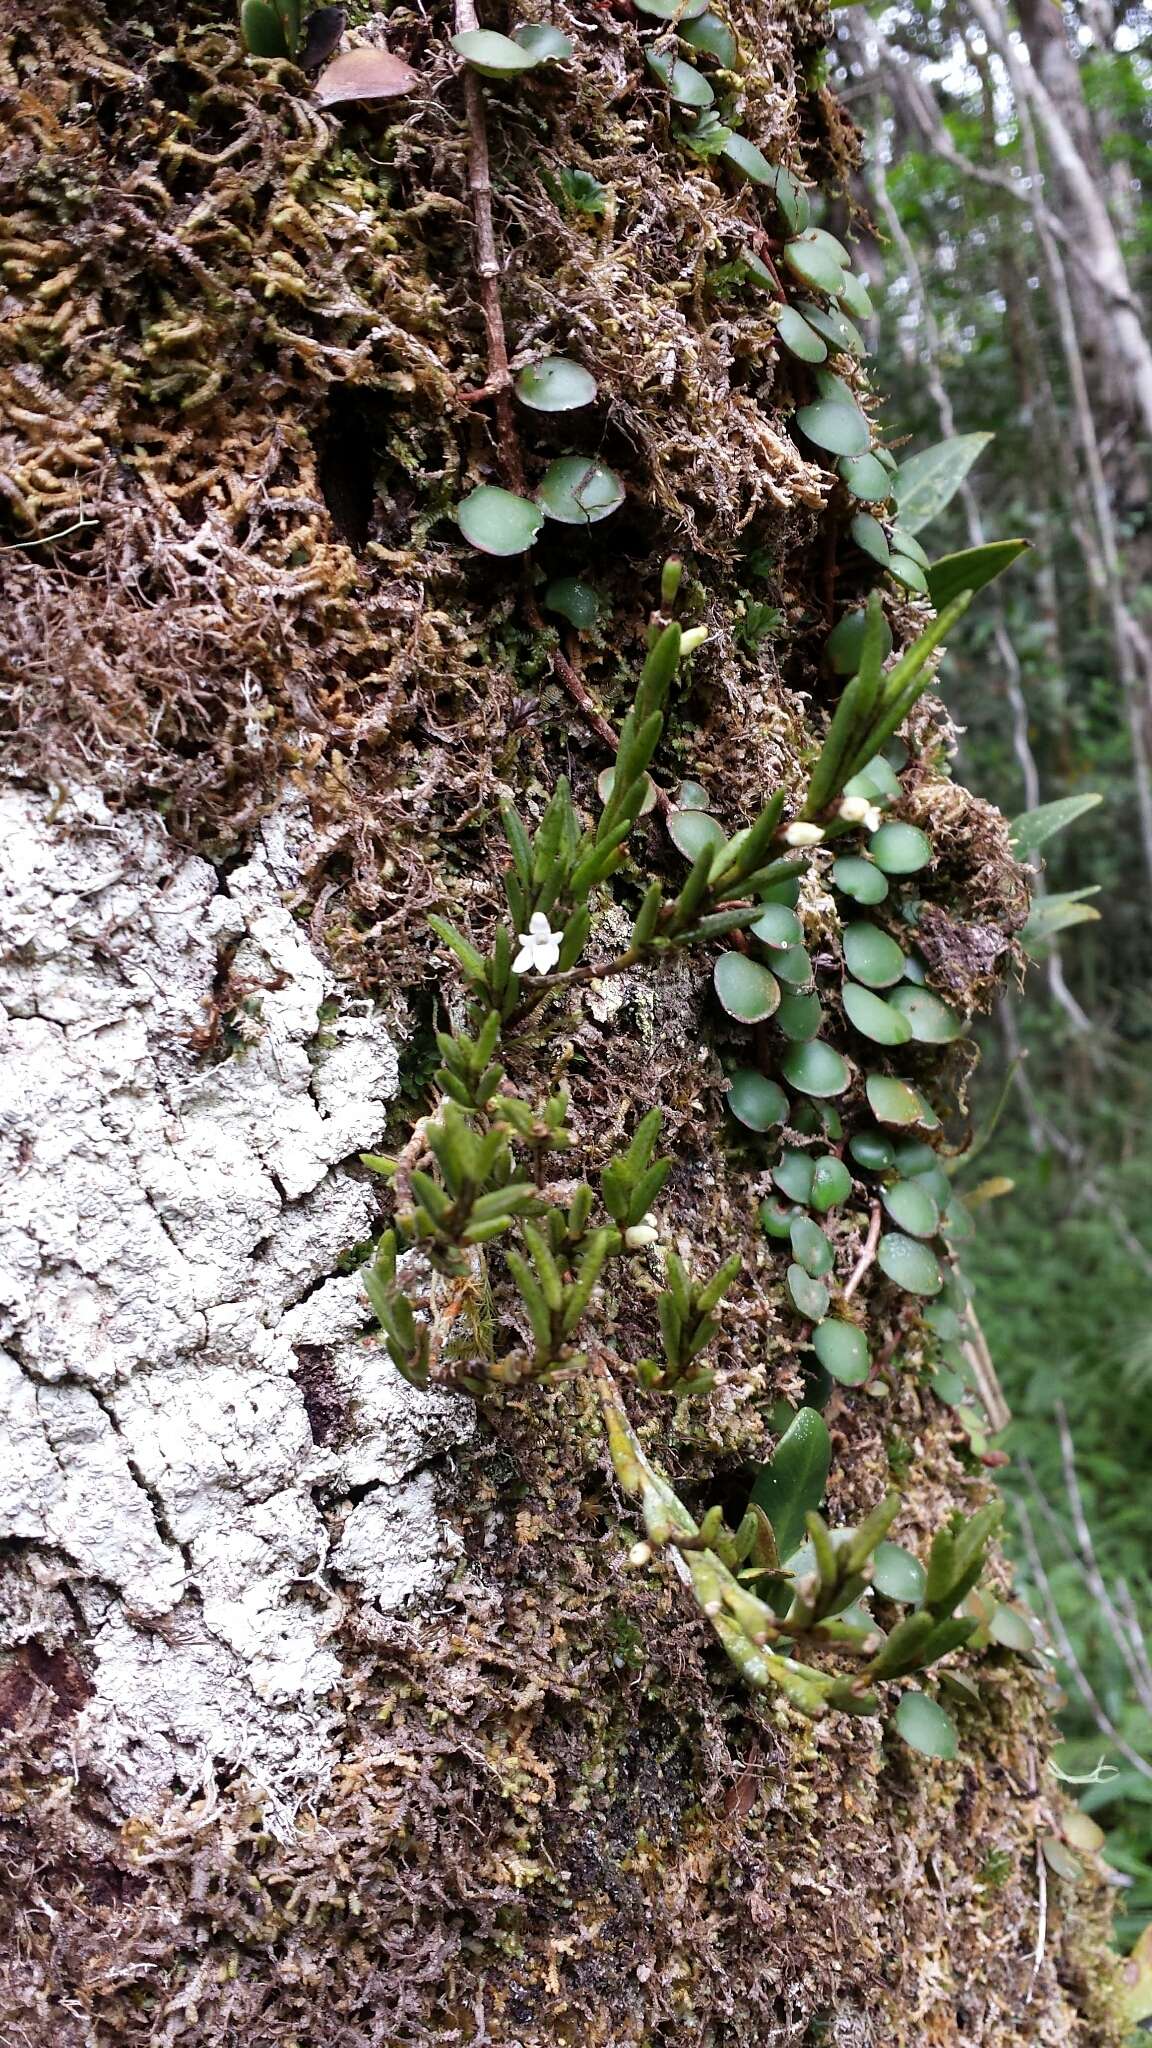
(893, 1101)
(555, 385)
(544, 43)
(812, 258)
(859, 878)
(872, 956)
(687, 86)
(1052, 914)
(912, 1208)
(498, 522)
(930, 1020)
(897, 1574)
(1033, 828)
(810, 1247)
(578, 491)
(971, 569)
(845, 644)
(691, 831)
(792, 1484)
(927, 482)
(815, 1068)
(909, 1264)
(673, 10)
(872, 1016)
(866, 477)
(800, 339)
(838, 428)
(900, 849)
(262, 30)
(778, 926)
(831, 1184)
(809, 1296)
(799, 1014)
(756, 1101)
(494, 55)
(575, 601)
(748, 160)
(708, 33)
(843, 1351)
(747, 990)
(925, 1726)
(870, 536)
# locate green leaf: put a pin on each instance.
(581, 190)
(555, 385)
(818, 259)
(866, 478)
(493, 55)
(544, 43)
(708, 33)
(262, 31)
(871, 1150)
(971, 569)
(912, 1208)
(1030, 831)
(930, 1020)
(747, 990)
(809, 1296)
(872, 1016)
(815, 1068)
(925, 1726)
(845, 643)
(843, 1352)
(673, 10)
(799, 1014)
(498, 522)
(897, 1574)
(831, 1184)
(793, 1173)
(928, 481)
(792, 1484)
(829, 321)
(578, 491)
(687, 86)
(909, 573)
(748, 160)
(859, 878)
(893, 1101)
(799, 338)
(909, 1264)
(756, 1101)
(829, 424)
(854, 296)
(810, 1247)
(870, 537)
(575, 601)
(692, 831)
(871, 955)
(900, 849)
(1053, 914)
(778, 926)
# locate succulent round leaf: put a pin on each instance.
(810, 1247)
(793, 966)
(756, 1101)
(897, 1574)
(912, 1208)
(831, 1184)
(925, 1726)
(578, 491)
(793, 1173)
(800, 1014)
(708, 33)
(930, 1020)
(845, 643)
(837, 428)
(687, 86)
(809, 1296)
(872, 1016)
(871, 955)
(606, 783)
(555, 385)
(799, 338)
(748, 160)
(692, 796)
(691, 831)
(829, 321)
(843, 1351)
(909, 573)
(493, 55)
(778, 926)
(776, 1218)
(747, 991)
(893, 1101)
(573, 600)
(909, 1264)
(877, 778)
(866, 478)
(543, 42)
(859, 878)
(870, 537)
(497, 521)
(814, 1068)
(673, 10)
(871, 1150)
(900, 849)
(854, 296)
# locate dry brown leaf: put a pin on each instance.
(364, 74)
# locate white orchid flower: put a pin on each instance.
(803, 835)
(539, 947)
(858, 810)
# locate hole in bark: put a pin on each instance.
(346, 463)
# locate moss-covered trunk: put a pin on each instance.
(337, 1712)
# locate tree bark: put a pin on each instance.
(335, 1710)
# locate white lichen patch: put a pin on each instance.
(183, 1085)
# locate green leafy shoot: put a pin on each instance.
(872, 707)
(688, 1323)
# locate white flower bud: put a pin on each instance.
(639, 1555)
(854, 809)
(804, 835)
(692, 639)
(641, 1234)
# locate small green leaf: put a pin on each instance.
(792, 1484)
(909, 1264)
(866, 477)
(793, 1173)
(575, 601)
(793, 966)
(872, 1016)
(687, 86)
(544, 43)
(262, 29)
(1030, 831)
(578, 491)
(673, 10)
(971, 569)
(692, 796)
(748, 160)
(871, 1150)
(831, 1184)
(925, 1726)
(838, 332)
(840, 429)
(810, 1247)
(1010, 1629)
(815, 1068)
(928, 481)
(859, 878)
(1060, 1859)
(912, 1208)
(870, 537)
(900, 849)
(799, 1014)
(493, 55)
(691, 831)
(582, 191)
(606, 783)
(809, 1296)
(871, 955)
(498, 522)
(800, 339)
(756, 1101)
(778, 926)
(708, 33)
(747, 991)
(909, 573)
(555, 385)
(855, 297)
(897, 1574)
(931, 1021)
(893, 1101)
(776, 1218)
(845, 643)
(877, 778)
(817, 258)
(843, 1352)
(1050, 915)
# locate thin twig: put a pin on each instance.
(499, 382)
(867, 1255)
(1041, 1922)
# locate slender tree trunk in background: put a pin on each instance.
(334, 1713)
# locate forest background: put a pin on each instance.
(1008, 179)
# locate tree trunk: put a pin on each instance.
(336, 1713)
